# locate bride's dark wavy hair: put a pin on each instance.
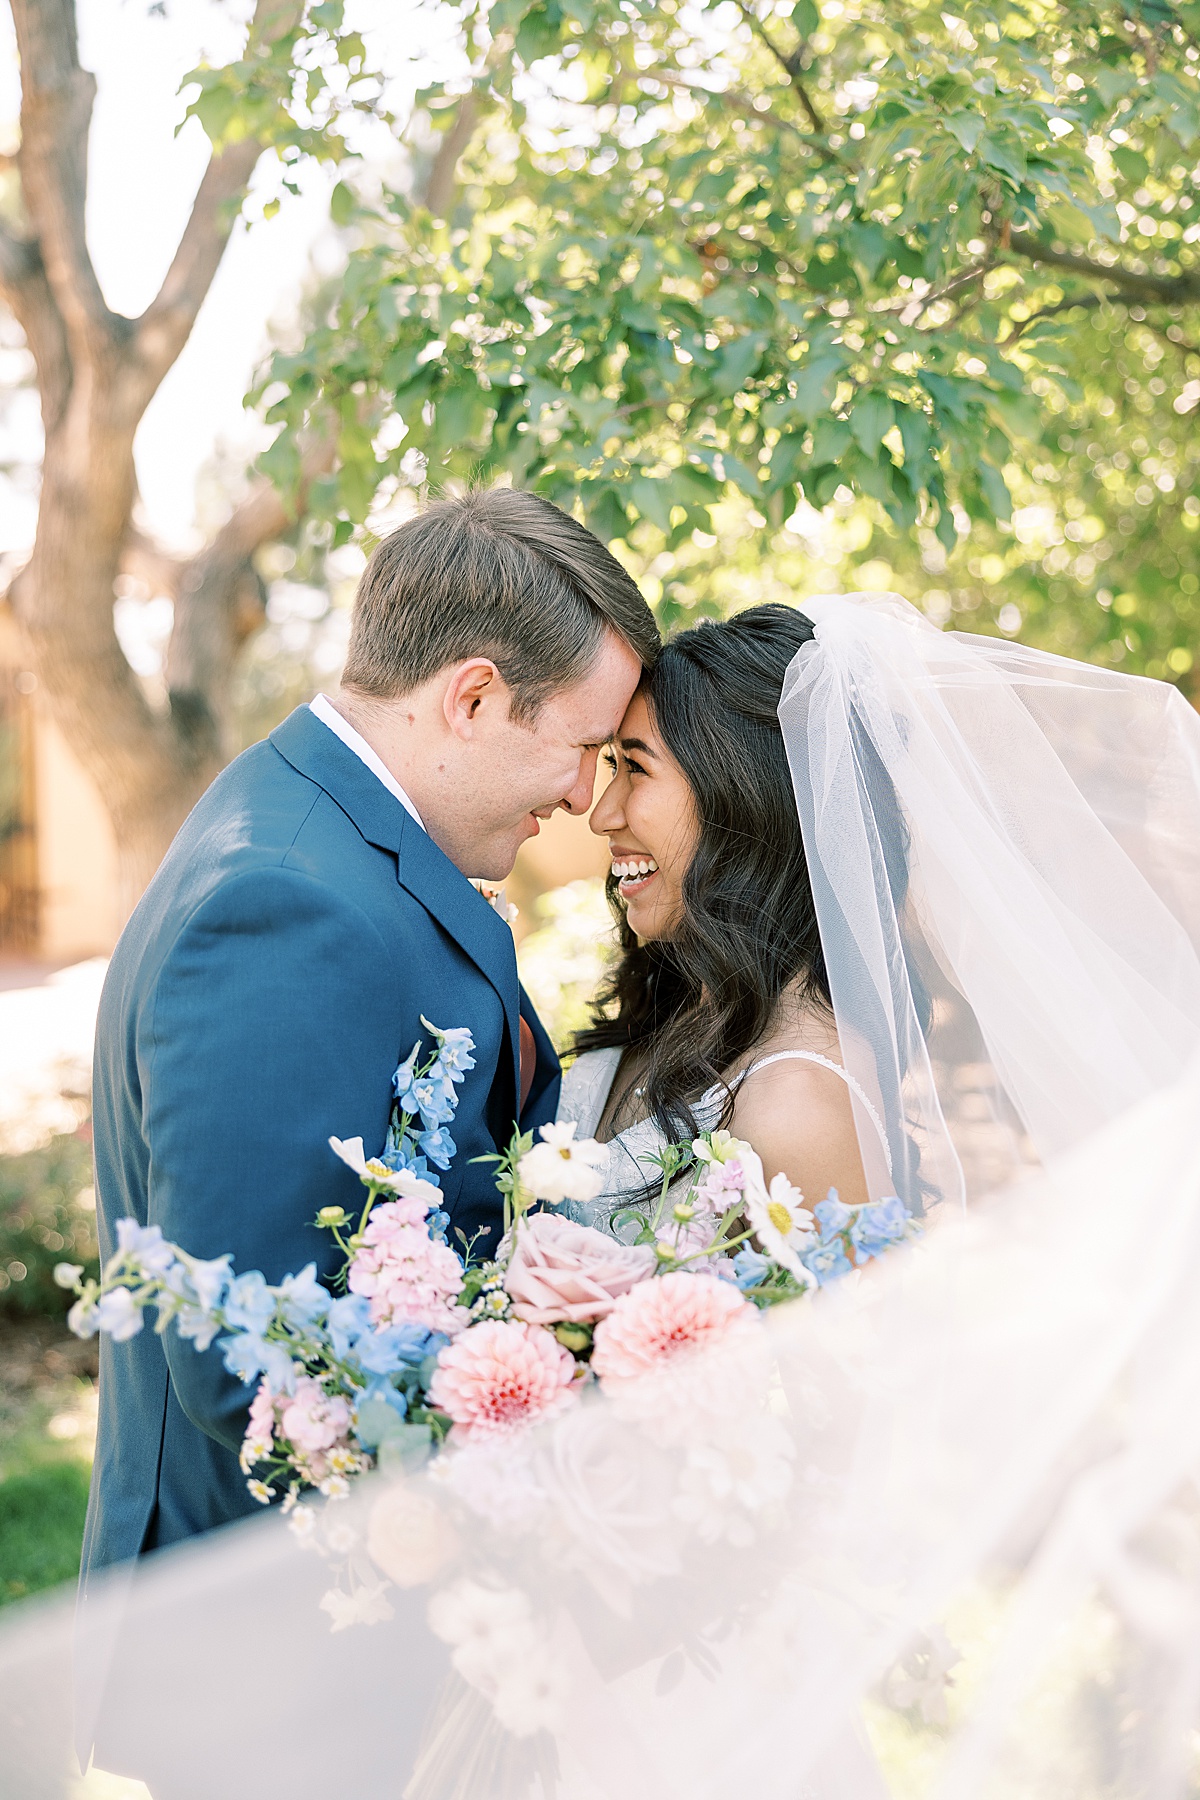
(699, 1002)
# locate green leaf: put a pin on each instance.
(868, 248)
(916, 435)
(967, 127)
(816, 382)
(742, 476)
(736, 363)
(606, 514)
(831, 440)
(1112, 84)
(653, 499)
(1131, 163)
(786, 458)
(540, 33)
(805, 17)
(342, 204)
(948, 395)
(995, 491)
(872, 417)
(1004, 155)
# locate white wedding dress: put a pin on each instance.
(628, 1168)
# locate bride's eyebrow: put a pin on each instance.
(637, 744)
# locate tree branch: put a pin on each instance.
(56, 110)
(788, 64)
(24, 287)
(734, 97)
(1171, 290)
(437, 190)
(166, 324)
(219, 601)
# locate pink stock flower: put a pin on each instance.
(720, 1184)
(561, 1271)
(313, 1419)
(656, 1322)
(259, 1440)
(501, 1375)
(405, 1273)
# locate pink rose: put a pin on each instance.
(561, 1271)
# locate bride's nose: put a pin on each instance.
(608, 814)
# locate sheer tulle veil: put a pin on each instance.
(1005, 852)
(933, 1532)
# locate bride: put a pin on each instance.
(718, 1013)
(909, 910)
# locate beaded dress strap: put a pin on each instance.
(826, 1062)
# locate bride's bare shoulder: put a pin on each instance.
(797, 1115)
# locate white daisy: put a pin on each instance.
(780, 1220)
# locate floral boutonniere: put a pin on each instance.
(497, 900)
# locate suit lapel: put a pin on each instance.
(421, 868)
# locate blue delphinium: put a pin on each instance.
(393, 1347)
(348, 1320)
(249, 1355)
(249, 1304)
(425, 1092)
(831, 1216)
(827, 1260)
(438, 1146)
(878, 1226)
(454, 1050)
(435, 1098)
(750, 1269)
(302, 1299)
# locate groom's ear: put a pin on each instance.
(472, 685)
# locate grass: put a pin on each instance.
(47, 1410)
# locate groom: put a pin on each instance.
(314, 905)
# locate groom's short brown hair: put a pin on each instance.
(497, 573)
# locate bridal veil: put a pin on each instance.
(1005, 854)
(937, 1534)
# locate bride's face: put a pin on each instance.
(648, 814)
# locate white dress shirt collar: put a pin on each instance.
(329, 715)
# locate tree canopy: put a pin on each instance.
(684, 264)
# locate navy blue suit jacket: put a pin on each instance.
(258, 1002)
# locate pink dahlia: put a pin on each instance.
(405, 1273)
(657, 1320)
(502, 1374)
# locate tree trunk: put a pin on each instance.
(97, 371)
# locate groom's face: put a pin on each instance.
(513, 773)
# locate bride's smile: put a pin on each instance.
(648, 815)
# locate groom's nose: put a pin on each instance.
(580, 797)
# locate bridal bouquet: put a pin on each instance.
(422, 1344)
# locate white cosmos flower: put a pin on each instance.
(779, 1219)
(562, 1168)
(397, 1181)
(366, 1606)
